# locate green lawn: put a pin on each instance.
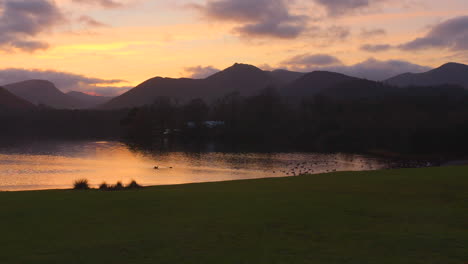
(400, 216)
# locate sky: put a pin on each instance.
(108, 46)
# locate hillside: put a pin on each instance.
(450, 73)
(245, 79)
(314, 83)
(285, 76)
(12, 102)
(89, 101)
(43, 92)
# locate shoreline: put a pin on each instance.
(461, 163)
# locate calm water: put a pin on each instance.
(53, 165)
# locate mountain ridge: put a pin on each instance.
(12, 102)
(449, 73)
(245, 79)
(42, 92)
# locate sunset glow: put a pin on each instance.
(138, 39)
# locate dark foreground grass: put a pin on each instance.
(401, 216)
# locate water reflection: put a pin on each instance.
(46, 165)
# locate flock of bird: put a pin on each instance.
(302, 168)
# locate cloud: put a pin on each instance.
(309, 61)
(341, 7)
(370, 33)
(376, 48)
(200, 72)
(257, 18)
(371, 69)
(90, 22)
(64, 81)
(451, 34)
(21, 21)
(103, 3)
(338, 32)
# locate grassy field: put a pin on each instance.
(401, 216)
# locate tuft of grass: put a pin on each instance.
(104, 186)
(117, 187)
(133, 185)
(81, 184)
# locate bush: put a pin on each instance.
(134, 185)
(81, 184)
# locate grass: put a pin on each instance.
(386, 217)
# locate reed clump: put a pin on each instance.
(83, 184)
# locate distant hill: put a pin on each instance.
(450, 73)
(89, 101)
(43, 92)
(314, 83)
(12, 102)
(242, 78)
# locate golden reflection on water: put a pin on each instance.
(58, 165)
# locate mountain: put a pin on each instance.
(245, 79)
(88, 101)
(314, 83)
(286, 76)
(146, 92)
(43, 92)
(242, 78)
(12, 102)
(450, 73)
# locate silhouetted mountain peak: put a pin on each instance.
(34, 84)
(449, 73)
(238, 70)
(245, 79)
(42, 92)
(451, 67)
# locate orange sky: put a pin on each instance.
(141, 39)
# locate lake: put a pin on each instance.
(56, 165)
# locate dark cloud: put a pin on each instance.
(90, 22)
(451, 34)
(63, 80)
(21, 21)
(309, 61)
(376, 48)
(257, 18)
(340, 7)
(370, 33)
(371, 69)
(200, 72)
(103, 3)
